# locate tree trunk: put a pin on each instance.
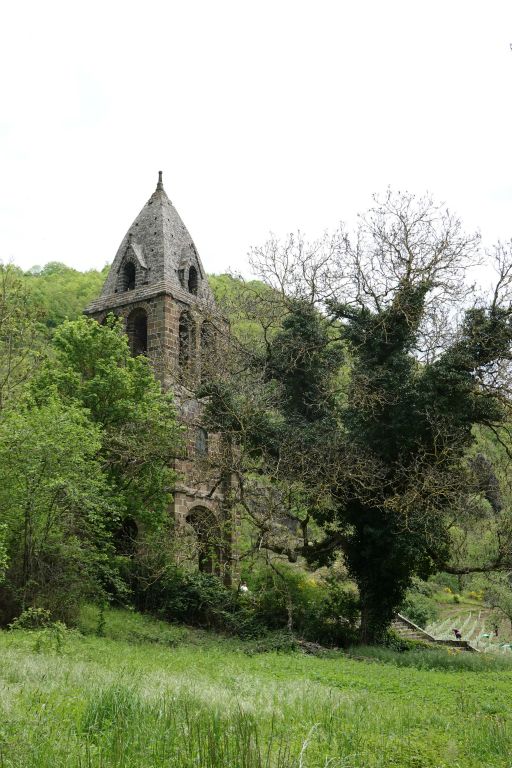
(377, 611)
(365, 634)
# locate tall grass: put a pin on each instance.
(205, 703)
(124, 729)
(443, 659)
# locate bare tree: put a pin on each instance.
(426, 359)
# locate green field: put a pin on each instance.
(153, 695)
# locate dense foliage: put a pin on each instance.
(60, 292)
(363, 398)
(370, 387)
(87, 441)
(56, 505)
(92, 367)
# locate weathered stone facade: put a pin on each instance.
(157, 284)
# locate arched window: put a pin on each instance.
(192, 280)
(209, 544)
(128, 276)
(137, 329)
(187, 340)
(207, 350)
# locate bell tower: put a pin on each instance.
(158, 287)
(157, 283)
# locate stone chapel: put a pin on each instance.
(158, 287)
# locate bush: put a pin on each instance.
(273, 642)
(324, 611)
(340, 614)
(419, 608)
(399, 644)
(32, 618)
(395, 642)
(196, 598)
(49, 635)
(199, 599)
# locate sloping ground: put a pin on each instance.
(473, 623)
(162, 696)
(410, 631)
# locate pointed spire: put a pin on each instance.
(162, 245)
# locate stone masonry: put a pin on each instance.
(158, 286)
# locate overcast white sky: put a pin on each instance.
(262, 115)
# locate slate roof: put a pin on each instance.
(162, 246)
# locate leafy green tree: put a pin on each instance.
(56, 509)
(390, 464)
(62, 293)
(21, 342)
(498, 596)
(92, 367)
(416, 420)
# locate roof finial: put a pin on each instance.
(160, 184)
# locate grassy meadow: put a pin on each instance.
(150, 695)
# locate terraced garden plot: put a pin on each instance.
(473, 623)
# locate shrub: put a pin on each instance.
(395, 642)
(320, 611)
(48, 634)
(199, 599)
(32, 618)
(273, 642)
(419, 608)
(339, 615)
(323, 611)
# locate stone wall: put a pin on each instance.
(199, 484)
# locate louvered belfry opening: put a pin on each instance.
(137, 329)
(128, 275)
(192, 280)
